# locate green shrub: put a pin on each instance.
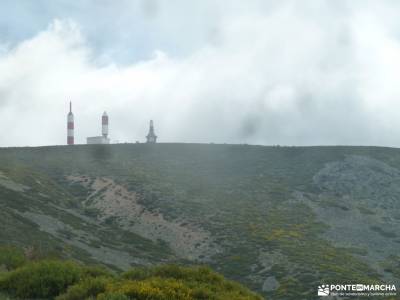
(88, 287)
(138, 273)
(4, 297)
(95, 271)
(197, 274)
(154, 289)
(11, 257)
(112, 296)
(175, 282)
(44, 279)
(202, 292)
(64, 280)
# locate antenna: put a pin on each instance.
(70, 126)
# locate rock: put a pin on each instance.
(270, 284)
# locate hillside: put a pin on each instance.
(280, 220)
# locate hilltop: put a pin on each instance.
(280, 220)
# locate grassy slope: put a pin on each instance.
(239, 193)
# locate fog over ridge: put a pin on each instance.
(310, 73)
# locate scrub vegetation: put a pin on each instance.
(68, 280)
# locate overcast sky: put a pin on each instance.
(228, 71)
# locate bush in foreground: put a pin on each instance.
(44, 279)
(87, 288)
(11, 257)
(65, 280)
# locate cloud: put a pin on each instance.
(292, 74)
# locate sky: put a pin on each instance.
(312, 72)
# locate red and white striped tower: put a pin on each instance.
(70, 126)
(104, 125)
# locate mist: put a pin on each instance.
(257, 72)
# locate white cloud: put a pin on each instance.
(278, 75)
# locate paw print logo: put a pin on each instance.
(323, 290)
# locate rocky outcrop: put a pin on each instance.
(115, 201)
